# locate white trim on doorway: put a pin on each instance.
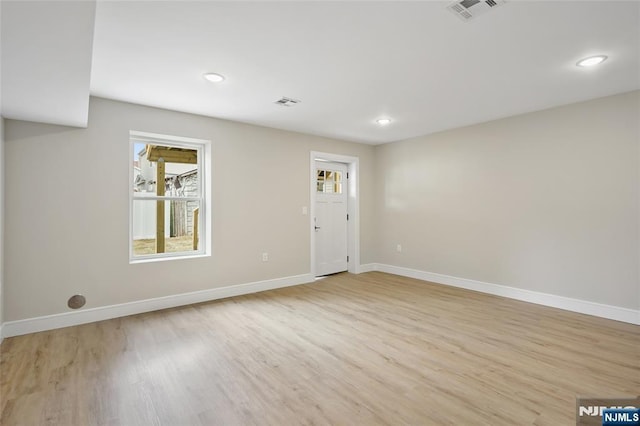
(353, 209)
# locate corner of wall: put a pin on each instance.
(1, 226)
(1, 207)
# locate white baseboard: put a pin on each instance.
(67, 319)
(575, 305)
(369, 267)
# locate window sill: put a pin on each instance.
(165, 258)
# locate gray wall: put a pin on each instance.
(67, 219)
(546, 201)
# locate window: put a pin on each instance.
(329, 181)
(168, 201)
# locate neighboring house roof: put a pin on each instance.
(189, 173)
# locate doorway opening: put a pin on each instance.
(334, 213)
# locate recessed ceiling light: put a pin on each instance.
(383, 121)
(213, 77)
(591, 61)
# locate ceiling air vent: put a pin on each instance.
(469, 9)
(287, 102)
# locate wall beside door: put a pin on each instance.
(69, 215)
(546, 201)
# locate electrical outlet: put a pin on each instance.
(399, 248)
(304, 210)
(265, 257)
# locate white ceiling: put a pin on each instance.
(46, 61)
(353, 62)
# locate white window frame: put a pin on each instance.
(203, 148)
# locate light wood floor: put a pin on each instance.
(350, 349)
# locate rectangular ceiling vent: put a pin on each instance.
(287, 102)
(469, 9)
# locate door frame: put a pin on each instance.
(353, 207)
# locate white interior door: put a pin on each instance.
(331, 218)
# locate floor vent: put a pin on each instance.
(469, 9)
